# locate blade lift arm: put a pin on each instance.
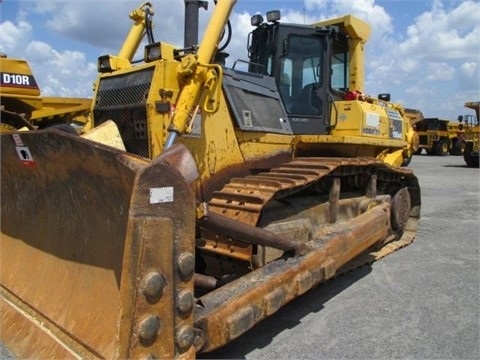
(142, 23)
(201, 77)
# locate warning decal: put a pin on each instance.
(25, 155)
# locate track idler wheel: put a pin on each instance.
(401, 206)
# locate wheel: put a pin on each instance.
(470, 159)
(401, 206)
(458, 148)
(442, 147)
(406, 160)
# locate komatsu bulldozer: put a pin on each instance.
(471, 128)
(237, 191)
(23, 106)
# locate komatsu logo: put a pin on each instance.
(18, 80)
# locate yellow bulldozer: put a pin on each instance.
(23, 107)
(471, 127)
(237, 192)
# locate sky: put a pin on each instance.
(425, 53)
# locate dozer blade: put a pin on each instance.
(97, 250)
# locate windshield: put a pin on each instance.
(302, 69)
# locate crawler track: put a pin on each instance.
(244, 199)
(347, 235)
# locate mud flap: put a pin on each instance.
(97, 249)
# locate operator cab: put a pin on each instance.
(309, 65)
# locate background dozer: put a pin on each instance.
(237, 191)
(22, 105)
(471, 128)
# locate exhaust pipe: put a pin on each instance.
(191, 21)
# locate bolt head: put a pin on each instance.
(153, 284)
(148, 329)
(186, 265)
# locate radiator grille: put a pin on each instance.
(123, 99)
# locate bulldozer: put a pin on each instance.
(235, 191)
(23, 106)
(471, 128)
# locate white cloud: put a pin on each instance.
(469, 79)
(60, 73)
(439, 72)
(469, 69)
(428, 60)
(439, 34)
(14, 37)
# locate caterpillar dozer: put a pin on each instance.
(471, 128)
(23, 107)
(237, 192)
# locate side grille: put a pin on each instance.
(122, 98)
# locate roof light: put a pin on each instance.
(273, 15)
(384, 97)
(256, 20)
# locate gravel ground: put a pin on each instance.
(421, 302)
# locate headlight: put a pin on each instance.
(153, 52)
(273, 15)
(103, 64)
(256, 20)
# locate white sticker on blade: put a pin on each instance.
(161, 195)
(24, 153)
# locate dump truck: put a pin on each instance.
(237, 192)
(471, 128)
(24, 107)
(413, 115)
(440, 136)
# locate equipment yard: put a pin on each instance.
(422, 302)
(194, 201)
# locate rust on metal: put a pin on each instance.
(125, 261)
(243, 200)
(249, 234)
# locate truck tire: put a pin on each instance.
(406, 160)
(470, 159)
(442, 147)
(458, 147)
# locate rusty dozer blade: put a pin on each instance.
(97, 249)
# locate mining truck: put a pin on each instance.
(24, 107)
(235, 192)
(471, 127)
(440, 136)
